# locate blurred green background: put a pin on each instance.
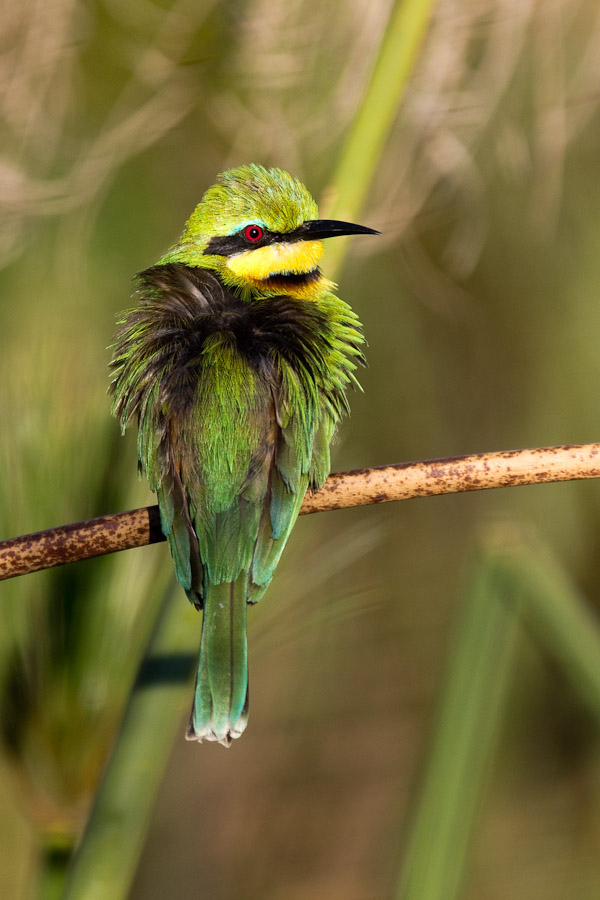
(480, 305)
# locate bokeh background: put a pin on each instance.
(480, 305)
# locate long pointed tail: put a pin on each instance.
(220, 710)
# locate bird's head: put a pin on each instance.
(258, 228)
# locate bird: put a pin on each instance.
(234, 364)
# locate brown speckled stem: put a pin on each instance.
(122, 531)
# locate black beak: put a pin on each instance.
(318, 229)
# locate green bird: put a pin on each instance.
(234, 365)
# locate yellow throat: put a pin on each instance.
(265, 268)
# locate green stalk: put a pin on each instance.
(399, 51)
(468, 721)
(561, 620)
(56, 858)
(106, 861)
(515, 578)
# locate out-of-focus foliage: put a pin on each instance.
(480, 303)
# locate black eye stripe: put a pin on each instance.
(230, 244)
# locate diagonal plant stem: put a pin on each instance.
(515, 580)
(398, 54)
(469, 718)
(559, 618)
(105, 863)
(138, 527)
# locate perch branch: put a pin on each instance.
(123, 531)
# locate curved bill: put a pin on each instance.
(318, 229)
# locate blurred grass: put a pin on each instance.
(514, 582)
(480, 306)
(108, 855)
(400, 47)
(469, 718)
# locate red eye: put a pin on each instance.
(253, 233)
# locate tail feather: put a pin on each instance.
(220, 710)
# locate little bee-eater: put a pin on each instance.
(235, 365)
